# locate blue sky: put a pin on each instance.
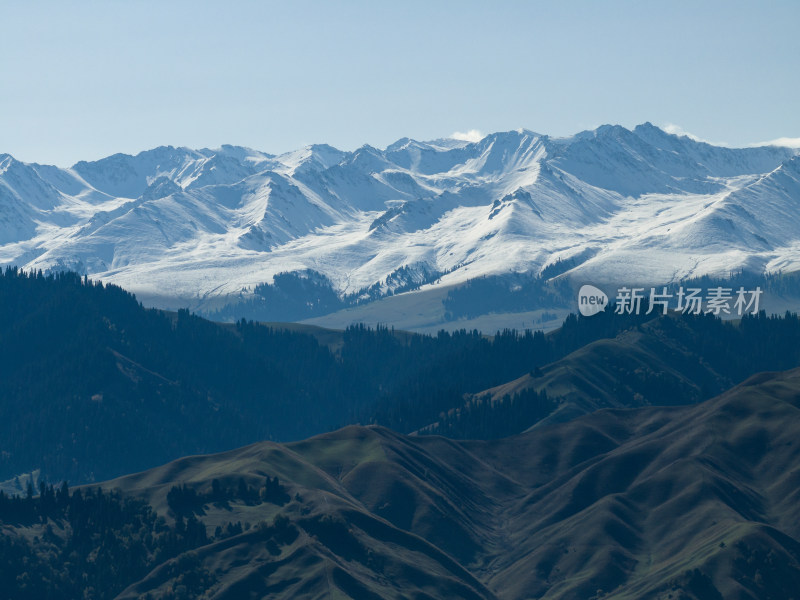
(84, 79)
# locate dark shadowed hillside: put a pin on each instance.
(92, 385)
(684, 502)
(672, 360)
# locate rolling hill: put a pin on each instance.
(660, 502)
(93, 385)
(671, 360)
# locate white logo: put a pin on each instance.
(591, 300)
(717, 301)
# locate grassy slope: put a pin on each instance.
(698, 502)
(657, 363)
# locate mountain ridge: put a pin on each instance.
(692, 502)
(84, 366)
(202, 228)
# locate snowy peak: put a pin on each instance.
(126, 176)
(509, 151)
(25, 200)
(648, 160)
(203, 225)
(316, 157)
(716, 160)
(240, 153)
(493, 155)
(23, 182)
(217, 169)
(425, 158)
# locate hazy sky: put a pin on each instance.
(84, 79)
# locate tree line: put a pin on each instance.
(93, 385)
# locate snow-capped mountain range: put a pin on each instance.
(199, 228)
